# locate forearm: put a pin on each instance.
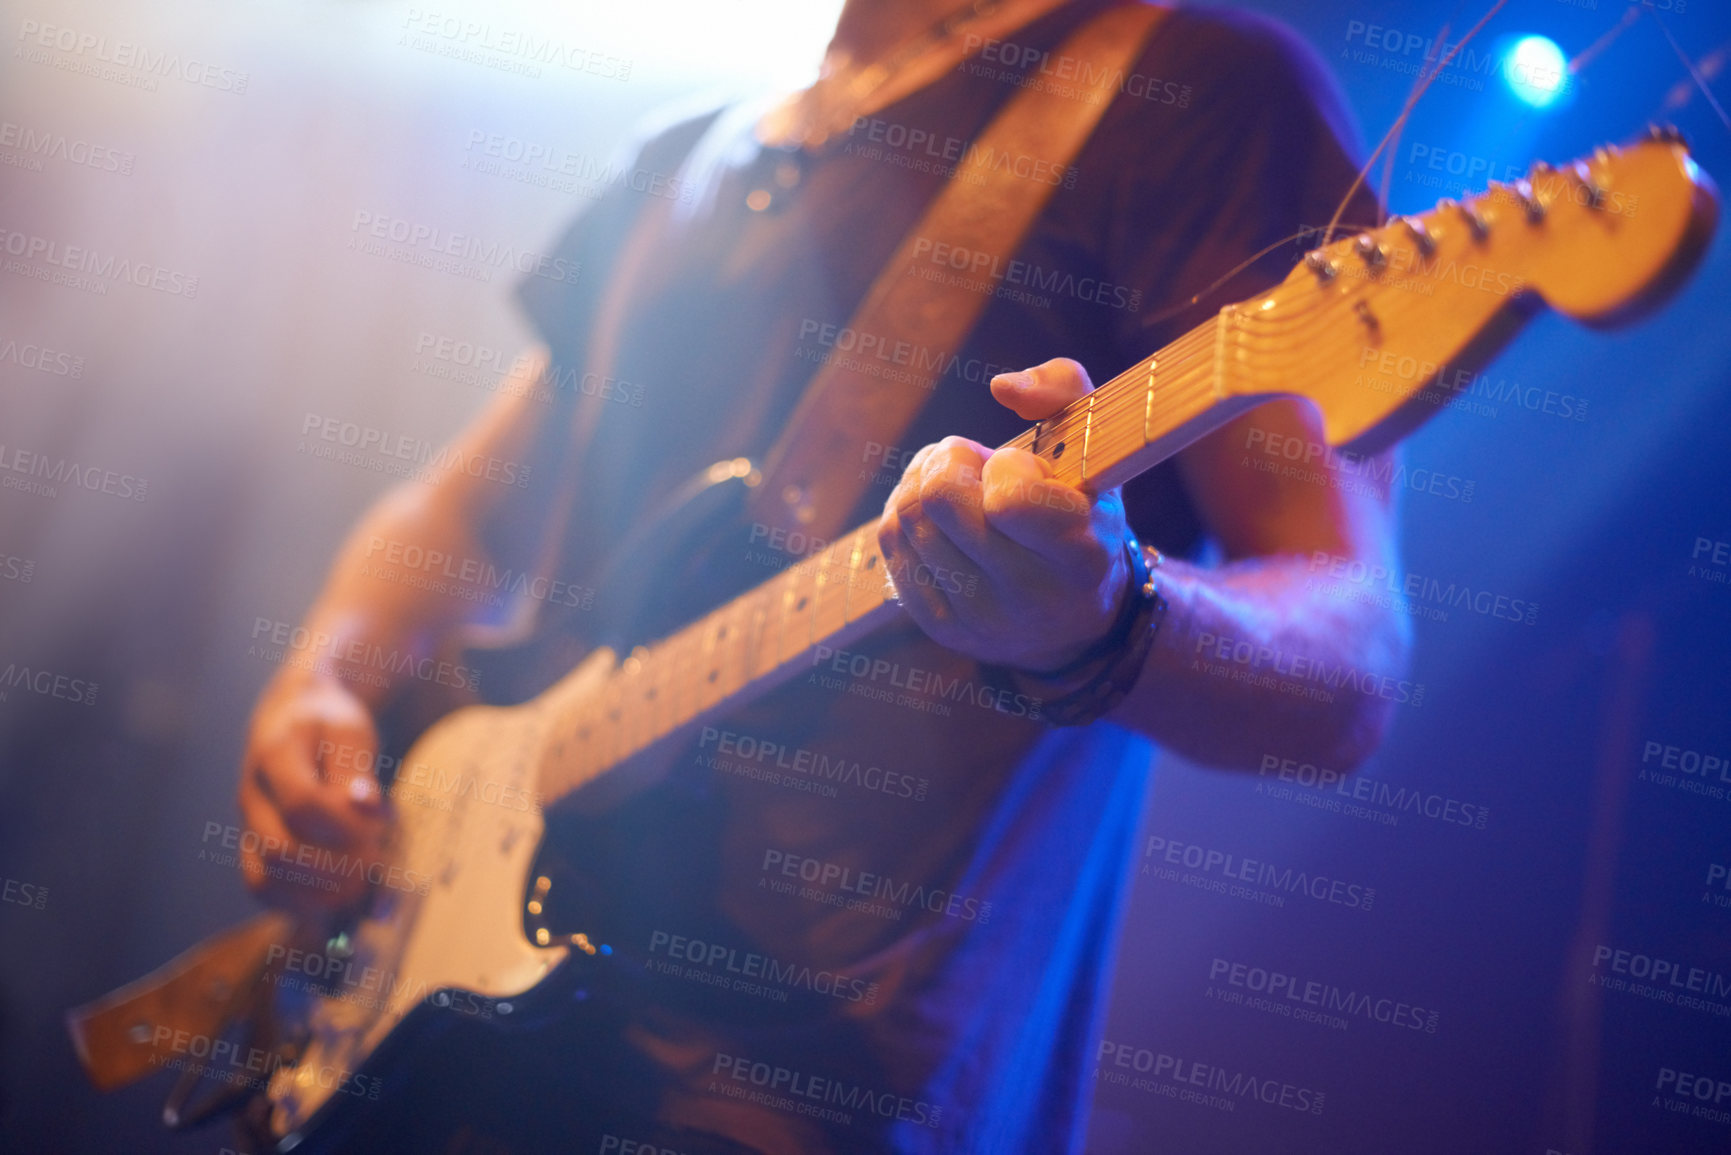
(423, 566)
(394, 595)
(1249, 661)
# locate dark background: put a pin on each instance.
(1542, 726)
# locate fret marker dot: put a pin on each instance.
(800, 604)
(712, 674)
(1057, 450)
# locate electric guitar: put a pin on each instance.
(1374, 330)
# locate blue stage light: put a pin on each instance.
(1537, 70)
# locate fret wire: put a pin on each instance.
(801, 620)
(798, 616)
(646, 705)
(784, 640)
(809, 592)
(710, 672)
(618, 716)
(594, 721)
(739, 640)
(685, 645)
(668, 694)
(783, 607)
(772, 594)
(662, 671)
(738, 629)
(871, 588)
(581, 718)
(676, 684)
(727, 641)
(738, 619)
(809, 589)
(713, 658)
(1087, 434)
(754, 640)
(823, 589)
(855, 554)
(1148, 406)
(870, 593)
(841, 572)
(610, 718)
(675, 674)
(1181, 388)
(657, 662)
(695, 662)
(769, 647)
(815, 599)
(1193, 345)
(633, 702)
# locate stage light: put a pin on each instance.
(1536, 70)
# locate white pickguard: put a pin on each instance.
(465, 933)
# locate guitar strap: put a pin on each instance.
(812, 477)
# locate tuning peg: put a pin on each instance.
(1420, 234)
(1320, 265)
(1368, 250)
(1595, 192)
(1530, 204)
(1474, 221)
(1480, 227)
(1667, 134)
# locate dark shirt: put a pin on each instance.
(911, 907)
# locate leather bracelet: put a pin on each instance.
(1124, 648)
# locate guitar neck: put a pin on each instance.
(828, 601)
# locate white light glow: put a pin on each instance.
(1537, 70)
(772, 44)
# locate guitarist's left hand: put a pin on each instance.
(993, 558)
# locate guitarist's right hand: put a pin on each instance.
(309, 797)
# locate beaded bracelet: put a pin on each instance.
(1124, 649)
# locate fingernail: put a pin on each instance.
(363, 789)
(1021, 379)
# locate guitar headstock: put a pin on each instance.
(1378, 327)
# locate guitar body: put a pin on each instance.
(444, 933)
(444, 951)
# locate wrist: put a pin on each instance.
(327, 651)
(1103, 675)
(1074, 663)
